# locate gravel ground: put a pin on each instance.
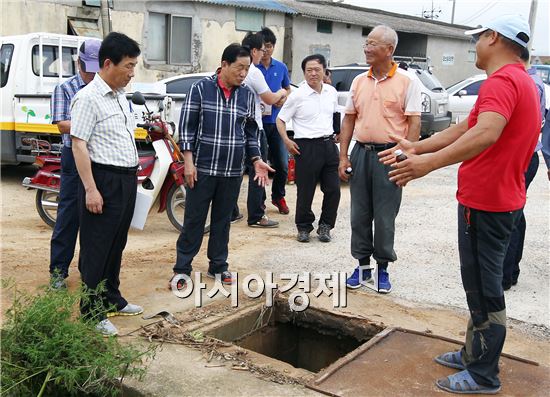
(427, 270)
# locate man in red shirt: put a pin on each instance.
(495, 146)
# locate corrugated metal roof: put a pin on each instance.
(262, 5)
(369, 17)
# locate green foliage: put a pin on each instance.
(48, 350)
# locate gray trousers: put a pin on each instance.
(375, 202)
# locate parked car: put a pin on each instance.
(435, 113)
(544, 72)
(463, 96)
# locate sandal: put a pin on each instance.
(463, 383)
(451, 359)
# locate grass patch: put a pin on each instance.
(49, 350)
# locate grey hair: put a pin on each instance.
(388, 35)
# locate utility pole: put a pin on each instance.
(532, 20)
(105, 18)
(453, 12)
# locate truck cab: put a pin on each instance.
(31, 66)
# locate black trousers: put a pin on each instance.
(222, 192)
(317, 163)
(103, 237)
(515, 249)
(483, 238)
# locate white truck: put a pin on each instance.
(31, 65)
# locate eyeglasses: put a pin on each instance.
(373, 44)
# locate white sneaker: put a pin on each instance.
(128, 310)
(106, 328)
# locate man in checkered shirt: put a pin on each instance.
(102, 132)
(66, 226)
(217, 130)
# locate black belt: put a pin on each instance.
(375, 147)
(116, 168)
(321, 138)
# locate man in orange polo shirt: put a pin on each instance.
(383, 100)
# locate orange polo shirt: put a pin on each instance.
(382, 106)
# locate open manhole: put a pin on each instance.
(311, 340)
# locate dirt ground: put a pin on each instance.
(427, 290)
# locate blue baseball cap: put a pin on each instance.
(513, 27)
(89, 55)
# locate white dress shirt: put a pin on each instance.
(311, 112)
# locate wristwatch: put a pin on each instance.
(255, 158)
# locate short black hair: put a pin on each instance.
(117, 46)
(268, 35)
(253, 41)
(315, 57)
(234, 51)
(525, 54)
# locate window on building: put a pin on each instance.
(169, 38)
(472, 56)
(5, 61)
(324, 26)
(248, 20)
(365, 31)
(50, 61)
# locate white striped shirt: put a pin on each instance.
(103, 118)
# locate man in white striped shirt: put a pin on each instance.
(106, 157)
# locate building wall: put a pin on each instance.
(213, 28)
(451, 60)
(344, 44)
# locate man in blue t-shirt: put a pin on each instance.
(276, 76)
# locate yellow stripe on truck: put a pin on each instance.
(139, 133)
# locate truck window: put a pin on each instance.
(50, 61)
(5, 61)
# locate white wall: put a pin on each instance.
(462, 65)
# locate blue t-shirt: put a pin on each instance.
(276, 76)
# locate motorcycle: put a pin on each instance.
(160, 174)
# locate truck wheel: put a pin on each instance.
(175, 208)
(46, 205)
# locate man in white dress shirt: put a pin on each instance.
(311, 108)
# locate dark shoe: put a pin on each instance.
(324, 233)
(281, 205)
(225, 277)
(264, 222)
(179, 284)
(354, 281)
(237, 218)
(303, 236)
(384, 285)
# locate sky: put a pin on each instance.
(473, 13)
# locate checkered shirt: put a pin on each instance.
(219, 131)
(103, 118)
(60, 103)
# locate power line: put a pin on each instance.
(477, 14)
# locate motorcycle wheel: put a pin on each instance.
(175, 208)
(46, 205)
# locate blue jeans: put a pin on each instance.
(66, 226)
(278, 155)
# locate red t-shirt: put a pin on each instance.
(494, 179)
